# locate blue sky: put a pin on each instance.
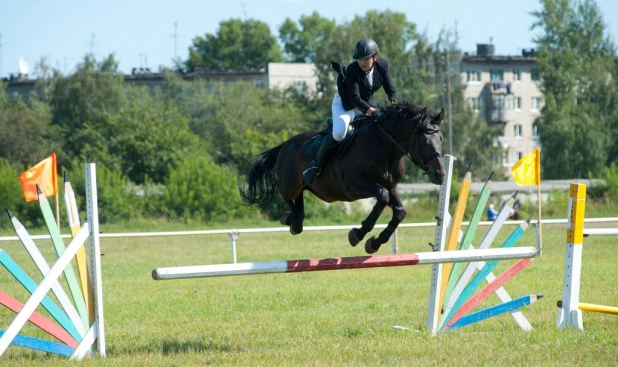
(140, 32)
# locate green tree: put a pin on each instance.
(82, 103)
(238, 45)
(11, 197)
(99, 118)
(201, 190)
(578, 65)
(142, 139)
(303, 41)
(240, 120)
(25, 127)
(117, 196)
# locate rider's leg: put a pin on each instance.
(341, 120)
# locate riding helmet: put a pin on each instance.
(365, 47)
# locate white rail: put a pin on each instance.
(234, 233)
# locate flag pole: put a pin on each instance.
(539, 201)
(57, 211)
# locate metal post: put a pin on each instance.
(233, 236)
(394, 242)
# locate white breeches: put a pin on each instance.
(341, 117)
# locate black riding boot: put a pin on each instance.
(315, 166)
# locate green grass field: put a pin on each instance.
(334, 318)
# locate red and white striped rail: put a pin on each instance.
(342, 263)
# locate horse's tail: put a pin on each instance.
(262, 187)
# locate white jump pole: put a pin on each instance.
(341, 263)
(600, 232)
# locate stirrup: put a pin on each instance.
(309, 175)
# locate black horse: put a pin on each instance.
(368, 163)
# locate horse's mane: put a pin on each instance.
(403, 109)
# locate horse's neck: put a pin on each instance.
(389, 148)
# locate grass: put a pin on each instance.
(336, 318)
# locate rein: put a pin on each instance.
(424, 163)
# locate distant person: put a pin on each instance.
(492, 214)
(515, 212)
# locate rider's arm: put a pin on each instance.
(351, 80)
(387, 82)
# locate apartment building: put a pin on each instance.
(504, 90)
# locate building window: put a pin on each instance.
(516, 75)
(512, 103)
(476, 104)
(535, 75)
(301, 86)
(499, 101)
(536, 103)
(260, 84)
(474, 76)
(535, 131)
(496, 75)
(518, 131)
(517, 156)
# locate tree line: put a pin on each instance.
(172, 147)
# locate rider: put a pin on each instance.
(355, 97)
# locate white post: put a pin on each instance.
(95, 255)
(570, 314)
(433, 311)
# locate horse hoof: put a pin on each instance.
(286, 219)
(296, 228)
(353, 238)
(369, 248)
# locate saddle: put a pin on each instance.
(313, 144)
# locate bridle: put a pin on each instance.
(420, 129)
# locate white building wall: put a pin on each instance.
(299, 75)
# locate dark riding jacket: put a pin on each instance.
(359, 95)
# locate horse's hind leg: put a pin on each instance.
(295, 217)
(399, 213)
(357, 234)
(299, 215)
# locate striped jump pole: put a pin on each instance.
(494, 311)
(341, 263)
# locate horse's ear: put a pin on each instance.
(423, 114)
(438, 119)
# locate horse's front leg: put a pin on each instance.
(399, 213)
(382, 200)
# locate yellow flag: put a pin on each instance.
(527, 171)
(42, 174)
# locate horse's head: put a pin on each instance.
(422, 136)
(426, 148)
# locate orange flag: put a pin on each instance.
(42, 174)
